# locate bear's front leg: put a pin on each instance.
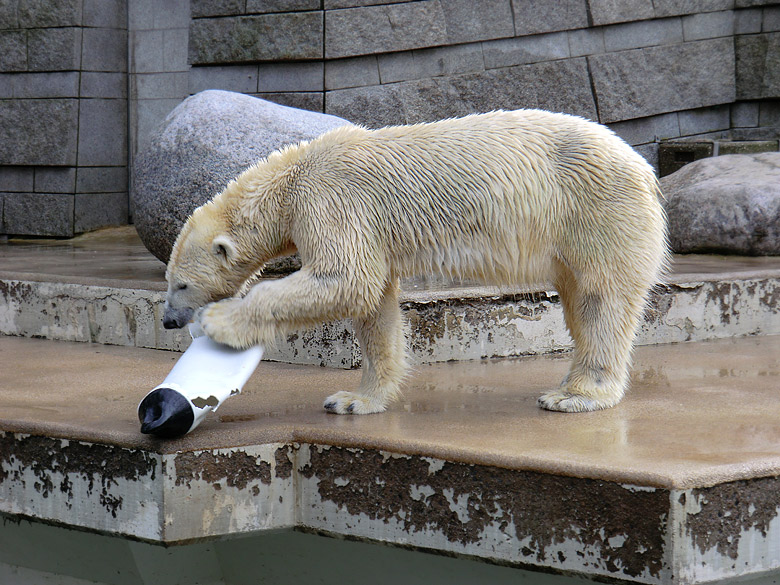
(382, 341)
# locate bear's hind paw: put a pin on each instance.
(352, 403)
(563, 401)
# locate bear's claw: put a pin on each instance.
(352, 403)
(563, 401)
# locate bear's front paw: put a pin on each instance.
(563, 401)
(219, 321)
(352, 403)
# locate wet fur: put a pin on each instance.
(503, 198)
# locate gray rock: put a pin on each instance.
(204, 143)
(726, 204)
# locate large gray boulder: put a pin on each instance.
(205, 142)
(725, 204)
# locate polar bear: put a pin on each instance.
(506, 197)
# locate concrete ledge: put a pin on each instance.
(526, 519)
(454, 323)
(105, 287)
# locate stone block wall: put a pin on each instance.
(650, 70)
(63, 115)
(83, 83)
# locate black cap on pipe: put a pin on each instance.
(165, 413)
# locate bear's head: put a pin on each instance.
(228, 240)
(202, 266)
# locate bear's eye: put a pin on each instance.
(181, 287)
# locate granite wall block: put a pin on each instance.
(314, 101)
(613, 11)
(771, 19)
(467, 21)
(654, 80)
(104, 49)
(703, 120)
(54, 49)
(747, 21)
(435, 62)
(352, 72)
(267, 37)
(561, 86)
(9, 17)
(101, 179)
(13, 50)
(587, 41)
(55, 180)
(38, 131)
(664, 8)
(240, 78)
(634, 35)
(92, 211)
(521, 50)
(58, 84)
(265, 6)
(102, 137)
(758, 66)
(49, 13)
(744, 115)
(542, 16)
(650, 129)
(103, 84)
(708, 25)
(105, 14)
(17, 179)
(42, 214)
(286, 77)
(383, 29)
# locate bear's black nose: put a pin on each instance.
(171, 323)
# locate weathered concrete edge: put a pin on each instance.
(521, 518)
(441, 329)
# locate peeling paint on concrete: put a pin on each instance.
(236, 468)
(84, 484)
(522, 518)
(228, 492)
(442, 328)
(725, 512)
(519, 517)
(490, 326)
(726, 531)
(710, 310)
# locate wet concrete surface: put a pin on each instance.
(116, 255)
(108, 256)
(697, 414)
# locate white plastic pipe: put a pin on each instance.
(206, 375)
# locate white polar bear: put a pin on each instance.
(504, 198)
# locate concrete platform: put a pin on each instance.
(678, 484)
(106, 288)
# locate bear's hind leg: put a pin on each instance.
(382, 342)
(602, 322)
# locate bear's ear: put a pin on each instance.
(224, 247)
